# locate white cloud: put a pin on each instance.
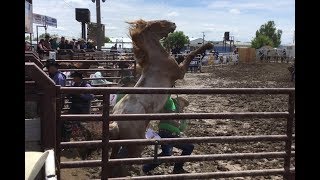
(174, 14)
(112, 27)
(241, 17)
(234, 11)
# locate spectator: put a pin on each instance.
(46, 42)
(58, 77)
(175, 51)
(41, 49)
(82, 44)
(80, 104)
(69, 45)
(62, 44)
(113, 49)
(172, 129)
(27, 46)
(54, 44)
(90, 45)
(74, 44)
(235, 51)
(284, 54)
(77, 45)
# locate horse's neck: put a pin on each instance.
(150, 79)
(152, 45)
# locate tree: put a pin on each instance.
(269, 30)
(176, 40)
(42, 36)
(107, 40)
(261, 40)
(27, 38)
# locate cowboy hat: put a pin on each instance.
(77, 74)
(34, 161)
(51, 62)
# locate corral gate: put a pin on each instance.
(286, 171)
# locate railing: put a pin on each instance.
(102, 70)
(47, 97)
(31, 56)
(105, 143)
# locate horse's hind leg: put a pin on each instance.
(134, 152)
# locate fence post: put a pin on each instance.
(59, 107)
(288, 144)
(105, 136)
(135, 69)
(48, 118)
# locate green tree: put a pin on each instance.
(176, 40)
(42, 36)
(27, 38)
(261, 40)
(107, 40)
(269, 29)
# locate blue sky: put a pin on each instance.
(241, 17)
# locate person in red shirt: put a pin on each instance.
(47, 43)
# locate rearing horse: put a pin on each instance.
(159, 69)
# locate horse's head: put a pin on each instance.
(143, 33)
(157, 29)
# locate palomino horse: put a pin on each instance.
(159, 69)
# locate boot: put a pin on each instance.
(179, 171)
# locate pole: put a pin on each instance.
(37, 35)
(202, 38)
(98, 25)
(83, 25)
(294, 34)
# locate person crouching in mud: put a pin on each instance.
(172, 129)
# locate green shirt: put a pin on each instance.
(170, 106)
(174, 126)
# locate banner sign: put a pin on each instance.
(44, 20)
(28, 17)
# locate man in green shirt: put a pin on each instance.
(172, 129)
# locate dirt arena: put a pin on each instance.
(271, 75)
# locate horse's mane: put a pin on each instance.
(136, 27)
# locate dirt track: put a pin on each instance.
(227, 76)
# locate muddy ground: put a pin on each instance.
(272, 75)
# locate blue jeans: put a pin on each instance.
(167, 151)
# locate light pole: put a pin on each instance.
(203, 38)
(99, 29)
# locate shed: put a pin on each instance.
(247, 55)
